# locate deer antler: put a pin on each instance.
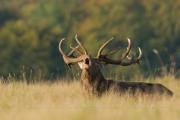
(103, 46)
(67, 59)
(74, 49)
(128, 49)
(79, 43)
(132, 60)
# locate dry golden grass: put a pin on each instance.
(66, 101)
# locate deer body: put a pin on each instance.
(95, 84)
(93, 80)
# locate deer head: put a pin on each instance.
(86, 61)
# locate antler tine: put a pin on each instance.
(79, 43)
(128, 49)
(138, 57)
(60, 47)
(73, 50)
(140, 53)
(103, 46)
(68, 60)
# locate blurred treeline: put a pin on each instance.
(30, 31)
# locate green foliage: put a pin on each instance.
(30, 31)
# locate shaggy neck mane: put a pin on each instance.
(93, 81)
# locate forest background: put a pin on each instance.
(30, 31)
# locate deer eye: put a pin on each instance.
(87, 61)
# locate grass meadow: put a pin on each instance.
(66, 101)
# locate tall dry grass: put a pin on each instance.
(66, 101)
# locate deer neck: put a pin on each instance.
(91, 79)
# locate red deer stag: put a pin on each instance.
(93, 80)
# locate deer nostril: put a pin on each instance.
(87, 61)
